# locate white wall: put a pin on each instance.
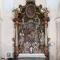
(7, 35)
(7, 25)
(58, 38)
(0, 39)
(0, 30)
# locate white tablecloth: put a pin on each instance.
(31, 55)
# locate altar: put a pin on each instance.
(31, 56)
(31, 34)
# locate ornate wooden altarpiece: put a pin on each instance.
(30, 23)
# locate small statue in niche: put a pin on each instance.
(20, 8)
(42, 38)
(21, 38)
(41, 46)
(16, 12)
(40, 8)
(21, 41)
(31, 49)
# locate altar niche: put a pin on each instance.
(30, 23)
